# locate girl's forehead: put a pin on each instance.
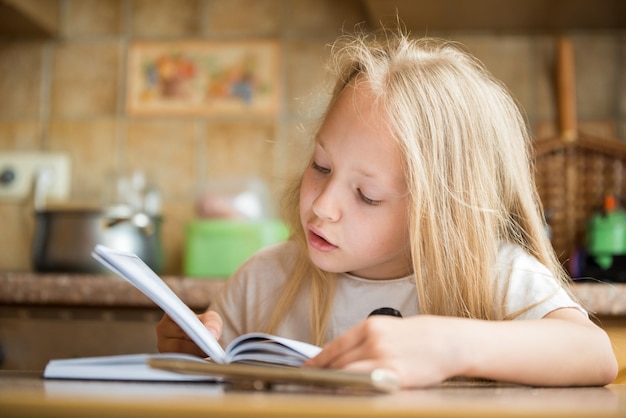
(356, 108)
(359, 103)
(354, 135)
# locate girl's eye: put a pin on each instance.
(367, 199)
(319, 168)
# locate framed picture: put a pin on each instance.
(203, 78)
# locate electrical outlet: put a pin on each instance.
(21, 171)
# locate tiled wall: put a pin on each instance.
(68, 95)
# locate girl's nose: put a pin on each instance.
(326, 204)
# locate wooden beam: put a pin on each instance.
(421, 16)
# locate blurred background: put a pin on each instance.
(64, 77)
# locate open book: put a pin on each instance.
(135, 367)
(178, 367)
(253, 348)
(260, 357)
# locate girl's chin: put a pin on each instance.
(323, 263)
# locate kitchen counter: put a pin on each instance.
(86, 290)
(46, 316)
(603, 299)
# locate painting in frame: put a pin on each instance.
(203, 78)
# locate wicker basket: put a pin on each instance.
(572, 179)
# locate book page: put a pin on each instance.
(260, 347)
(122, 367)
(135, 271)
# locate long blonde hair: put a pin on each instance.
(468, 172)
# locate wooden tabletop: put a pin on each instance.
(25, 394)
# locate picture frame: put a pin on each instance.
(203, 78)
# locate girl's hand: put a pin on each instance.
(426, 350)
(172, 339)
(419, 349)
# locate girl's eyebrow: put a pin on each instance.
(362, 171)
(365, 173)
(319, 142)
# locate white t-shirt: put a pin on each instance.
(251, 294)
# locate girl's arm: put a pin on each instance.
(563, 349)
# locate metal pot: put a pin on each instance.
(64, 238)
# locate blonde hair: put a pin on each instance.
(468, 172)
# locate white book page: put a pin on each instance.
(263, 358)
(123, 367)
(135, 271)
(261, 342)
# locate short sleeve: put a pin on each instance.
(525, 282)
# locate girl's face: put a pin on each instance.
(353, 199)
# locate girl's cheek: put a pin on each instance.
(305, 198)
(307, 190)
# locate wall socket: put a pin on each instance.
(21, 172)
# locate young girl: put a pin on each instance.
(419, 197)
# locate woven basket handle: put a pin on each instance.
(566, 79)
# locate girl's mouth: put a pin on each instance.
(320, 243)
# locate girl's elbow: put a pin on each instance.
(610, 371)
(605, 374)
(608, 367)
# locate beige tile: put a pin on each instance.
(21, 135)
(545, 72)
(176, 215)
(16, 231)
(323, 16)
(85, 79)
(165, 18)
(239, 150)
(20, 80)
(622, 82)
(596, 75)
(292, 151)
(242, 17)
(508, 58)
(296, 149)
(93, 18)
(308, 83)
(167, 152)
(91, 145)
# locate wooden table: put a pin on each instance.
(26, 394)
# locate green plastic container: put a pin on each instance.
(606, 237)
(214, 249)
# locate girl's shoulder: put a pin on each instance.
(513, 256)
(275, 260)
(528, 288)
